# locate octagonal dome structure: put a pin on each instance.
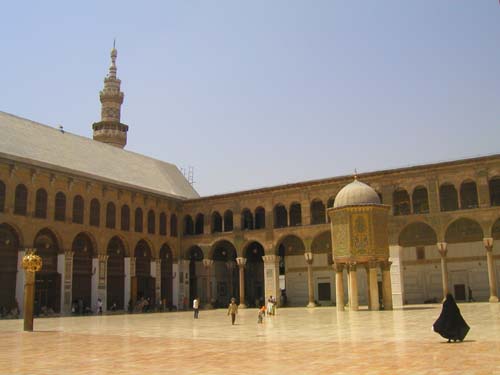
(356, 193)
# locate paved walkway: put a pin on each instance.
(296, 341)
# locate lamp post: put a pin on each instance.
(31, 263)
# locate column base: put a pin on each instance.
(493, 299)
(242, 306)
(311, 304)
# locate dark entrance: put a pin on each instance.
(254, 275)
(144, 282)
(83, 252)
(48, 280)
(115, 282)
(166, 275)
(9, 245)
(226, 273)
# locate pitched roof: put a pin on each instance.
(44, 146)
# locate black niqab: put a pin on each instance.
(450, 323)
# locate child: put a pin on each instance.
(262, 312)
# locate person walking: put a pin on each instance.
(233, 310)
(450, 324)
(196, 307)
(99, 306)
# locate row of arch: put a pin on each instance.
(450, 199)
(84, 248)
(94, 219)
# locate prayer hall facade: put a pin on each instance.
(118, 226)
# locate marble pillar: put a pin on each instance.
(271, 277)
(103, 281)
(310, 281)
(68, 281)
(442, 248)
(339, 285)
(373, 285)
(241, 265)
(386, 285)
(353, 287)
(492, 276)
(208, 263)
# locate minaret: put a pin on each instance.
(110, 130)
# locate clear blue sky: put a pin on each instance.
(260, 93)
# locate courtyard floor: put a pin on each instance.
(295, 341)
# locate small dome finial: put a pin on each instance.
(114, 54)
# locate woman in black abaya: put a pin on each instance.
(450, 323)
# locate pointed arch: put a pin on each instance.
(110, 215)
(420, 199)
(448, 197)
(417, 234)
(228, 221)
(188, 225)
(318, 212)
(280, 216)
(295, 214)
(216, 222)
(260, 218)
(21, 200)
(78, 209)
(151, 222)
(322, 243)
(246, 219)
(95, 213)
(9, 247)
(115, 275)
(138, 220)
(463, 230)
(468, 195)
(199, 225)
(60, 207)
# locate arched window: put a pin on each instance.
(163, 224)
(228, 221)
(295, 214)
(494, 185)
(260, 218)
(317, 212)
(78, 209)
(151, 222)
(173, 225)
(138, 220)
(21, 200)
(280, 216)
(125, 218)
(60, 209)
(188, 225)
(246, 219)
(41, 204)
(2, 196)
(199, 224)
(448, 197)
(216, 222)
(420, 200)
(111, 215)
(468, 195)
(401, 202)
(95, 212)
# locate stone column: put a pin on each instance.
(442, 248)
(230, 267)
(492, 277)
(353, 289)
(241, 265)
(158, 282)
(207, 263)
(368, 285)
(127, 283)
(310, 281)
(102, 283)
(29, 298)
(339, 285)
(68, 280)
(396, 275)
(373, 285)
(386, 285)
(271, 276)
(133, 282)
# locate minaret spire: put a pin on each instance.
(110, 129)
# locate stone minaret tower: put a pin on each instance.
(110, 130)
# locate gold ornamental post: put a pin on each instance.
(31, 263)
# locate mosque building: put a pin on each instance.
(120, 226)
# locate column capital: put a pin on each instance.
(241, 262)
(442, 248)
(309, 257)
(270, 258)
(68, 253)
(338, 267)
(103, 257)
(158, 261)
(386, 265)
(488, 243)
(372, 263)
(208, 262)
(352, 266)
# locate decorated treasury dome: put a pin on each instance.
(356, 193)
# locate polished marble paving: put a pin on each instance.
(295, 341)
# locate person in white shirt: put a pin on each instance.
(196, 307)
